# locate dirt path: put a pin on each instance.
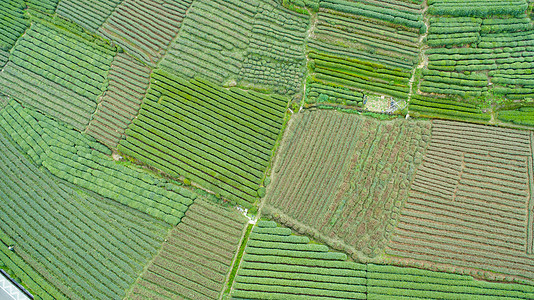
(423, 59)
(311, 33)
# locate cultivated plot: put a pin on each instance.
(79, 159)
(57, 72)
(367, 47)
(85, 247)
(194, 260)
(90, 14)
(278, 264)
(128, 81)
(346, 176)
(221, 139)
(470, 205)
(254, 43)
(145, 28)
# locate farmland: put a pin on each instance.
(128, 82)
(66, 236)
(78, 159)
(40, 71)
(316, 181)
(185, 267)
(471, 199)
(280, 265)
(479, 54)
(174, 109)
(363, 49)
(145, 28)
(267, 149)
(235, 52)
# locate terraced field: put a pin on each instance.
(267, 149)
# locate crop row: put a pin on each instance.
(78, 251)
(13, 23)
(406, 18)
(323, 274)
(453, 31)
(353, 32)
(53, 55)
(280, 77)
(331, 176)
(259, 44)
(78, 159)
(199, 45)
(384, 59)
(477, 8)
(380, 43)
(472, 214)
(357, 24)
(318, 93)
(120, 104)
(502, 46)
(478, 140)
(250, 123)
(47, 6)
(521, 116)
(196, 256)
(273, 277)
(46, 95)
(390, 143)
(360, 75)
(145, 28)
(277, 38)
(89, 14)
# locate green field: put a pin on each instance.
(267, 149)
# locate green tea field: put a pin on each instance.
(266, 149)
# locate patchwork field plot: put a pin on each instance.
(196, 256)
(481, 54)
(84, 247)
(442, 108)
(78, 159)
(128, 82)
(280, 265)
(347, 184)
(219, 138)
(522, 116)
(267, 149)
(470, 203)
(390, 282)
(58, 73)
(145, 28)
(13, 23)
(367, 46)
(47, 6)
(91, 14)
(256, 43)
(4, 56)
